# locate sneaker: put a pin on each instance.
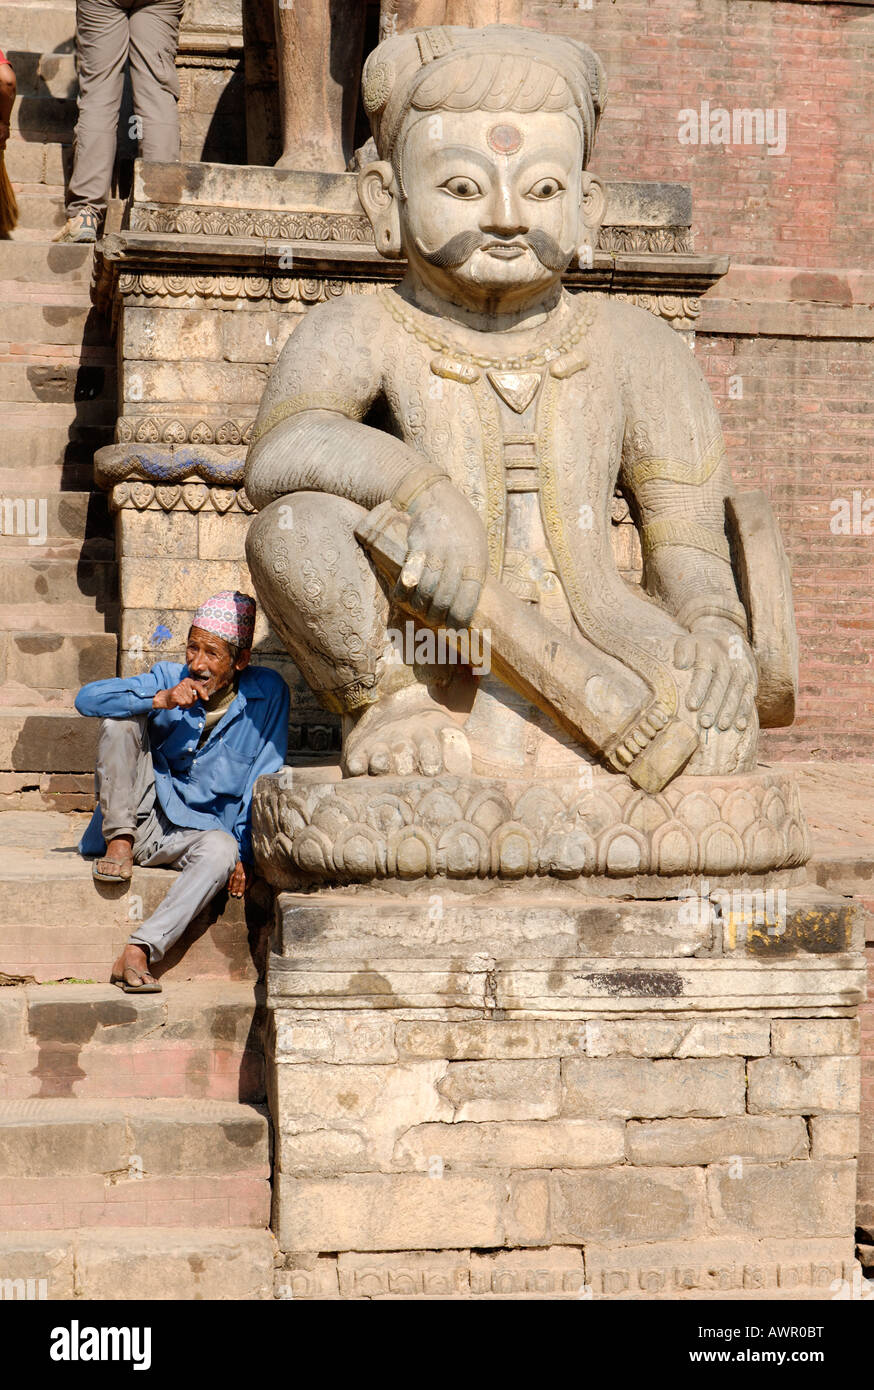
(82, 226)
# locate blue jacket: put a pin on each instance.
(210, 788)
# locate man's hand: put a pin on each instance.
(240, 878)
(181, 696)
(724, 677)
(447, 557)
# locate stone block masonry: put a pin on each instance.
(439, 1132)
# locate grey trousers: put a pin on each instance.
(108, 32)
(126, 792)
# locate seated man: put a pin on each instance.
(179, 751)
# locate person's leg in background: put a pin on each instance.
(154, 39)
(102, 39)
(125, 782)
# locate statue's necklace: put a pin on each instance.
(537, 357)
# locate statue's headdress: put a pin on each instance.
(499, 68)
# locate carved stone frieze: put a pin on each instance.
(162, 429)
(368, 829)
(283, 288)
(654, 240)
(215, 221)
(189, 496)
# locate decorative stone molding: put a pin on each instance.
(369, 829)
(680, 311)
(116, 463)
(192, 497)
(346, 227)
(283, 288)
(675, 241)
(161, 429)
(215, 221)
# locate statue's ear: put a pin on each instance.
(594, 204)
(378, 193)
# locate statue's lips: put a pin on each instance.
(504, 251)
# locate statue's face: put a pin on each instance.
(492, 211)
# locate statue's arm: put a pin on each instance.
(308, 434)
(675, 474)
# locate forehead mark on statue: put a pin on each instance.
(505, 138)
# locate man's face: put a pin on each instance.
(492, 213)
(209, 659)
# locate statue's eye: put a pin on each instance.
(462, 187)
(546, 188)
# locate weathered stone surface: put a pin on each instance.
(653, 1089)
(147, 534)
(555, 1272)
(523, 1037)
(626, 1204)
(814, 1037)
(502, 1090)
(171, 583)
(710, 1141)
(179, 1264)
(232, 383)
(716, 1037)
(307, 1276)
(803, 1085)
(834, 1136)
(13, 1013)
(403, 1274)
(376, 1211)
(768, 1201)
(36, 1265)
(356, 1037)
(528, 1214)
(520, 1144)
(796, 1267)
(222, 537)
(172, 335)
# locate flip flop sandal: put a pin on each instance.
(147, 983)
(121, 870)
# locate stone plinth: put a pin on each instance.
(478, 1098)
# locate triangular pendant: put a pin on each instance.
(517, 389)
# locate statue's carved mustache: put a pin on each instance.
(460, 248)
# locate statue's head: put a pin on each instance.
(483, 136)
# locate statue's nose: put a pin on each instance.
(503, 213)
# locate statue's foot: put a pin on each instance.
(404, 734)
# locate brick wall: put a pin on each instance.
(800, 342)
(810, 206)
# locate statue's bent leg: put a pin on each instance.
(322, 595)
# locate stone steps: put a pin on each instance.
(37, 27)
(57, 923)
(60, 384)
(46, 740)
(168, 1263)
(200, 1039)
(67, 582)
(28, 163)
(53, 666)
(50, 326)
(46, 265)
(70, 1162)
(46, 74)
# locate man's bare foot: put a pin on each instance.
(406, 733)
(117, 864)
(131, 971)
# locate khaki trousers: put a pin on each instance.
(108, 33)
(126, 792)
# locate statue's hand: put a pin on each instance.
(447, 557)
(724, 677)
